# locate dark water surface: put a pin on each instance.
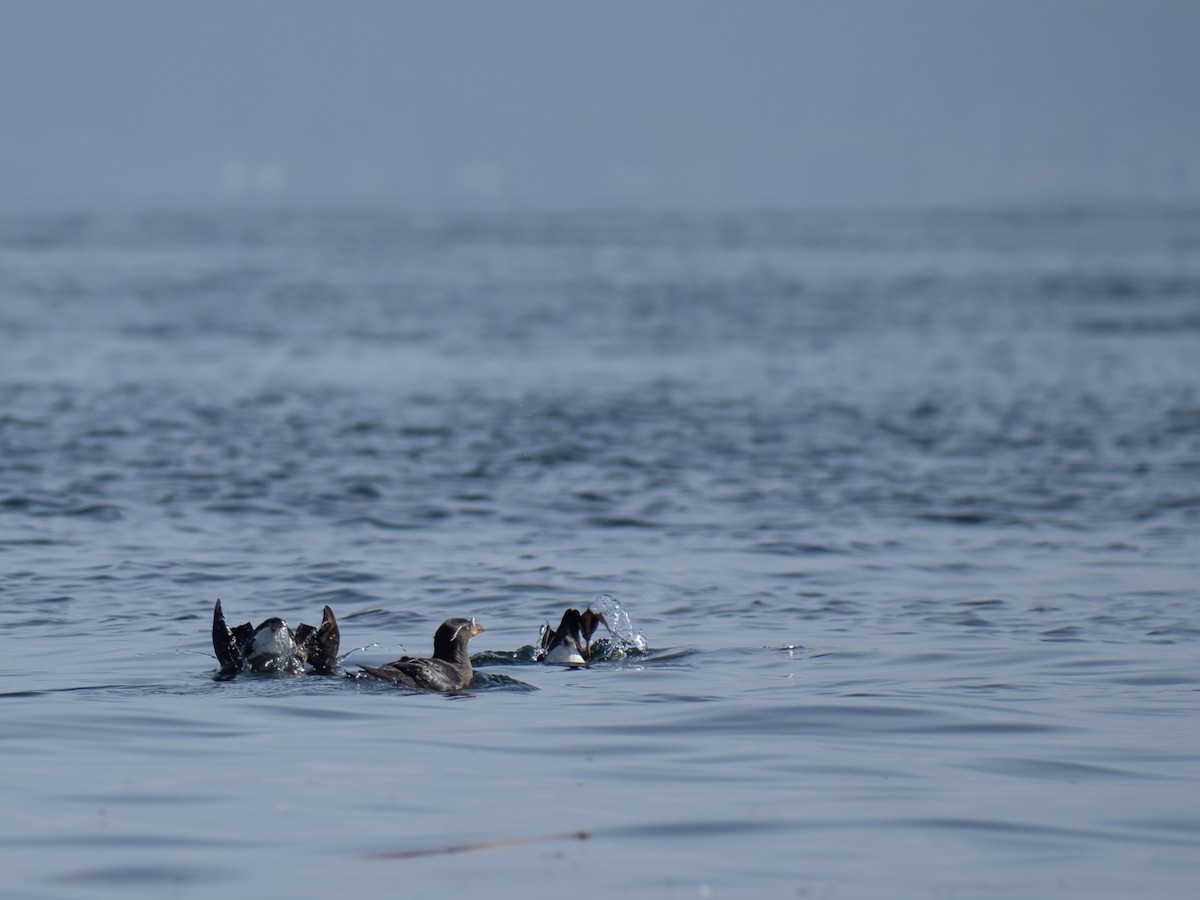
(906, 506)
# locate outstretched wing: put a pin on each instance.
(225, 645)
(319, 646)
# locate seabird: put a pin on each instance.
(272, 647)
(571, 643)
(448, 670)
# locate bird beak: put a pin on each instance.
(476, 628)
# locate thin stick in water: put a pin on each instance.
(494, 844)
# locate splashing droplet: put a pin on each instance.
(617, 620)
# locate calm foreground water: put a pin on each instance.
(906, 506)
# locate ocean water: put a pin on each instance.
(906, 507)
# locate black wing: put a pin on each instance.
(319, 646)
(574, 624)
(425, 674)
(225, 645)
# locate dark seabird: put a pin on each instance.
(571, 643)
(273, 647)
(448, 670)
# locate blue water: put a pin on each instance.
(907, 507)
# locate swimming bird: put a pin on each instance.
(571, 643)
(448, 670)
(273, 647)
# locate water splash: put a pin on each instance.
(626, 640)
(345, 656)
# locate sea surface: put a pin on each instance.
(906, 507)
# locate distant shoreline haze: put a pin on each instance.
(541, 105)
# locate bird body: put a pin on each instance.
(449, 669)
(571, 643)
(273, 648)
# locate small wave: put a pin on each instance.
(494, 681)
(323, 573)
(963, 518)
(1065, 633)
(237, 508)
(1146, 325)
(798, 548)
(46, 506)
(522, 656)
(376, 522)
(140, 877)
(1057, 770)
(383, 617)
(336, 596)
(103, 512)
(622, 522)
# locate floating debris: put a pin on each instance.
(494, 844)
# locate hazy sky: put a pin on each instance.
(635, 103)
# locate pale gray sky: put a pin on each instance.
(635, 103)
